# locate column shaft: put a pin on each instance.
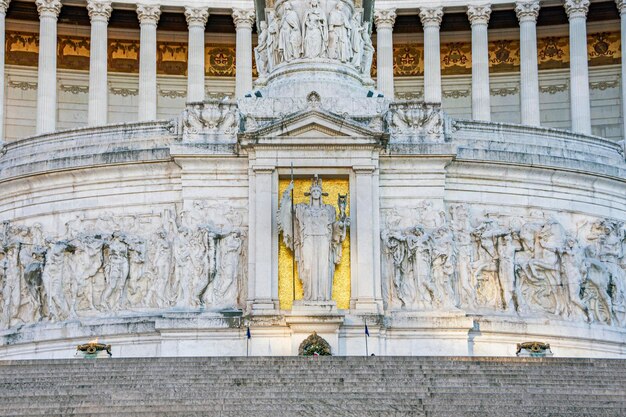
(527, 13)
(243, 18)
(481, 98)
(196, 19)
(579, 70)
(148, 18)
(47, 74)
(385, 20)
(99, 11)
(621, 5)
(4, 5)
(431, 20)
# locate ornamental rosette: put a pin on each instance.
(99, 9)
(148, 13)
(197, 16)
(243, 17)
(4, 6)
(385, 18)
(576, 8)
(528, 10)
(479, 14)
(52, 7)
(431, 16)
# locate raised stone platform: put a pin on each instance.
(315, 386)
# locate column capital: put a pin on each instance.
(99, 9)
(48, 7)
(148, 13)
(576, 8)
(479, 14)
(385, 18)
(527, 10)
(243, 18)
(431, 16)
(4, 6)
(196, 16)
(621, 6)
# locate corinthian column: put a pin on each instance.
(47, 77)
(196, 20)
(384, 20)
(527, 12)
(243, 18)
(481, 100)
(4, 5)
(99, 13)
(621, 6)
(579, 70)
(431, 20)
(148, 19)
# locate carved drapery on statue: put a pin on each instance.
(315, 235)
(110, 265)
(330, 31)
(532, 266)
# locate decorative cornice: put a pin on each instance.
(243, 18)
(527, 10)
(48, 7)
(148, 14)
(4, 6)
(576, 8)
(621, 6)
(385, 18)
(479, 14)
(99, 9)
(431, 17)
(197, 16)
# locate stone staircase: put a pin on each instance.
(322, 386)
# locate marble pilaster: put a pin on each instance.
(579, 68)
(527, 12)
(244, 19)
(481, 100)
(4, 5)
(99, 13)
(47, 75)
(148, 19)
(431, 21)
(384, 20)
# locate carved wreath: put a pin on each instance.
(314, 345)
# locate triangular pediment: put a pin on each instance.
(313, 125)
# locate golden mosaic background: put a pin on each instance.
(22, 48)
(341, 283)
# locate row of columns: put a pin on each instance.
(148, 15)
(527, 12)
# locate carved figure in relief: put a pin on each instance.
(160, 259)
(138, 279)
(225, 288)
(356, 39)
(290, 39)
(313, 238)
(486, 265)
(460, 225)
(274, 55)
(572, 270)
(33, 303)
(368, 51)
(54, 275)
(261, 51)
(116, 270)
(443, 267)
(183, 267)
(339, 44)
(314, 31)
(87, 261)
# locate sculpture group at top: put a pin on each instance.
(310, 31)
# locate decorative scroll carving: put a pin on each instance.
(416, 119)
(109, 264)
(211, 119)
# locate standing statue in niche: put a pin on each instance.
(315, 236)
(315, 31)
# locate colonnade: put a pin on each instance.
(479, 14)
(431, 17)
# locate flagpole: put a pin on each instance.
(248, 336)
(293, 244)
(367, 353)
